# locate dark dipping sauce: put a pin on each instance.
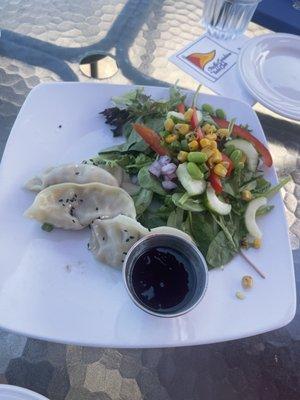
(163, 278)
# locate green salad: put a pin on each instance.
(195, 170)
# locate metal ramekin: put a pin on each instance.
(188, 249)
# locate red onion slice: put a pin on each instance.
(168, 169)
(155, 169)
(169, 185)
(164, 160)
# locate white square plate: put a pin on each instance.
(50, 285)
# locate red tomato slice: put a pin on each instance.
(199, 133)
(194, 120)
(151, 138)
(244, 134)
(181, 108)
(230, 164)
(215, 182)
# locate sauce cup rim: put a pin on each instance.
(127, 265)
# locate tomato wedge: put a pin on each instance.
(244, 134)
(215, 182)
(199, 133)
(181, 108)
(194, 120)
(151, 138)
(229, 162)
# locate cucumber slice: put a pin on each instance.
(250, 220)
(215, 204)
(248, 149)
(192, 186)
(199, 116)
(176, 115)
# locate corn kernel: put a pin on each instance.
(211, 136)
(240, 295)
(183, 129)
(220, 170)
(246, 195)
(216, 157)
(213, 144)
(205, 143)
(207, 151)
(257, 243)
(188, 114)
(169, 124)
(247, 282)
(223, 133)
(193, 145)
(210, 163)
(182, 156)
(171, 138)
(208, 129)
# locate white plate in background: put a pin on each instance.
(269, 66)
(9, 392)
(52, 288)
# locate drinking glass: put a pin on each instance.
(227, 19)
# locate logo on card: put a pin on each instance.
(212, 64)
(201, 59)
(209, 58)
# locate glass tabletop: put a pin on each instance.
(44, 41)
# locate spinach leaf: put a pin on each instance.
(157, 124)
(238, 230)
(151, 220)
(142, 200)
(135, 143)
(147, 181)
(164, 211)
(127, 129)
(126, 99)
(233, 227)
(227, 242)
(172, 219)
(262, 185)
(176, 218)
(189, 205)
(157, 213)
(168, 202)
(186, 226)
(203, 229)
(227, 188)
(119, 148)
(271, 191)
(227, 228)
(220, 251)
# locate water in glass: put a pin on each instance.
(226, 19)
